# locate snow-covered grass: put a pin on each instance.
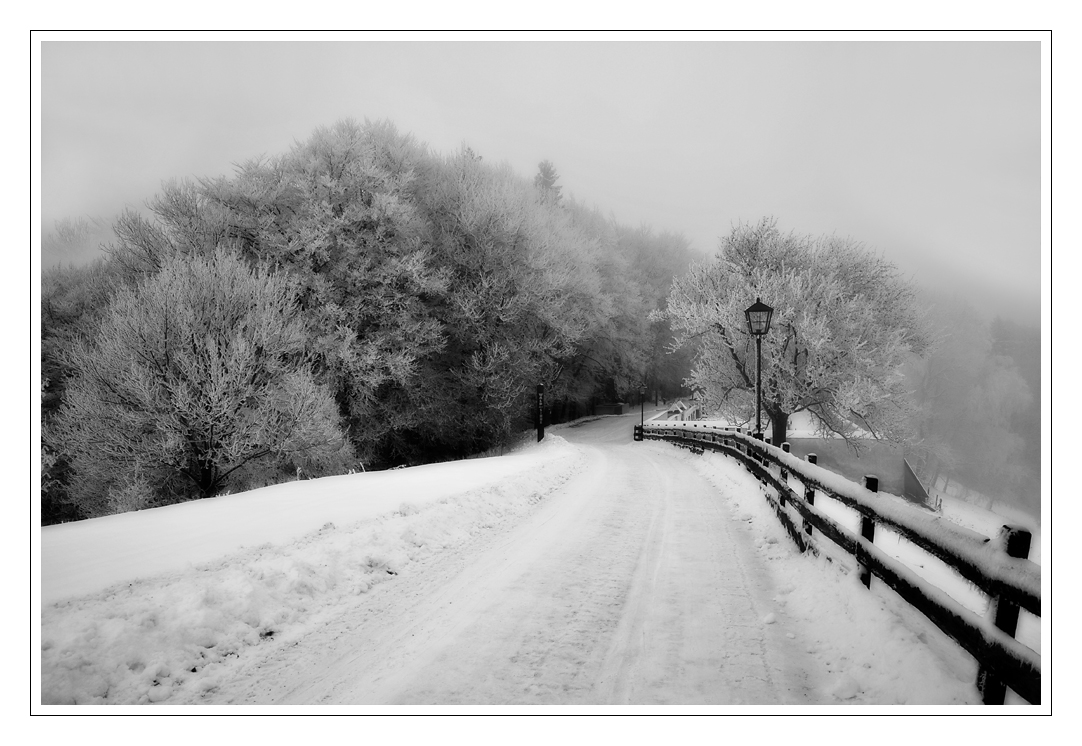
(155, 606)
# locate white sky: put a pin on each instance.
(927, 151)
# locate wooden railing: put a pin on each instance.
(999, 569)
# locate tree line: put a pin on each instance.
(359, 302)
(977, 397)
(363, 303)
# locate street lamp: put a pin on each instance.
(758, 316)
(642, 405)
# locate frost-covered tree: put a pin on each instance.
(434, 292)
(339, 215)
(845, 322)
(73, 300)
(195, 375)
(653, 260)
(523, 292)
(545, 181)
(182, 222)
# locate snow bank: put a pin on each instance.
(88, 556)
(191, 601)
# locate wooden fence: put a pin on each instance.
(999, 568)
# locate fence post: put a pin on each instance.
(1015, 542)
(782, 470)
(809, 495)
(809, 498)
(867, 528)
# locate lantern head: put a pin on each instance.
(758, 316)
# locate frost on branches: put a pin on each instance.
(196, 377)
(429, 295)
(844, 324)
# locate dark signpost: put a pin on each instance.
(540, 412)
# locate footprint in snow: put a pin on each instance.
(846, 688)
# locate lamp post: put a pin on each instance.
(642, 405)
(758, 315)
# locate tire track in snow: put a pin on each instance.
(541, 637)
(702, 620)
(629, 585)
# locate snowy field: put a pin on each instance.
(422, 583)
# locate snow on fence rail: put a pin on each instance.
(1002, 572)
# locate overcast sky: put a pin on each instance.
(929, 152)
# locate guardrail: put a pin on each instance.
(999, 569)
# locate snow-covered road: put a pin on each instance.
(633, 584)
(630, 585)
(586, 570)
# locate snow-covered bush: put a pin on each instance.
(132, 495)
(196, 373)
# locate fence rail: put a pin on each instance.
(1010, 582)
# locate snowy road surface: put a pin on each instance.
(586, 570)
(630, 585)
(633, 584)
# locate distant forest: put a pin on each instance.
(356, 303)
(977, 394)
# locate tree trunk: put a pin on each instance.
(780, 426)
(202, 471)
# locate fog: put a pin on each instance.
(928, 152)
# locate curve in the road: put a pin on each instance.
(630, 585)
